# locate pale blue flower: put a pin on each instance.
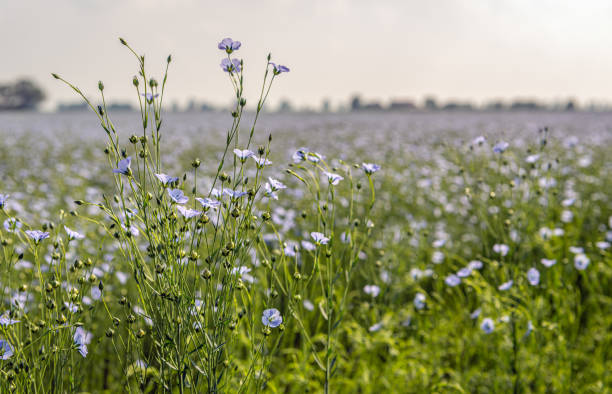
(548, 263)
(149, 96)
(419, 301)
(261, 161)
(234, 193)
(124, 167)
(290, 249)
(464, 272)
(178, 196)
(475, 264)
(375, 327)
(6, 350)
(333, 179)
(277, 68)
(81, 339)
(243, 272)
(500, 147)
(506, 286)
(371, 290)
(299, 155)
(12, 224)
(208, 203)
(243, 154)
(188, 213)
(532, 158)
(6, 320)
(533, 276)
(576, 249)
(271, 318)
(603, 245)
(452, 280)
(3, 198)
(475, 313)
(270, 192)
(502, 249)
(481, 139)
(581, 261)
(231, 65)
(319, 238)
(307, 245)
(166, 179)
(37, 235)
(370, 168)
(228, 45)
(73, 234)
(437, 257)
(487, 325)
(276, 184)
(308, 305)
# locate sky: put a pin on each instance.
(383, 49)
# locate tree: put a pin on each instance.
(21, 95)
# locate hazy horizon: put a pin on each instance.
(483, 50)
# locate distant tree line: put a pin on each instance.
(20, 95)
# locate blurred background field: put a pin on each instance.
(444, 199)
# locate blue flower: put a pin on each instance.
(370, 168)
(11, 225)
(231, 65)
(208, 203)
(277, 68)
(452, 280)
(372, 290)
(149, 96)
(166, 179)
(188, 213)
(178, 196)
(271, 318)
(234, 193)
(3, 198)
(548, 262)
(124, 167)
(6, 349)
(228, 45)
(269, 192)
(261, 161)
(333, 179)
(464, 272)
(73, 234)
(581, 261)
(299, 155)
(533, 276)
(475, 264)
(319, 238)
(243, 154)
(81, 339)
(487, 325)
(500, 147)
(502, 249)
(419, 301)
(307, 245)
(6, 320)
(506, 286)
(276, 185)
(475, 313)
(37, 235)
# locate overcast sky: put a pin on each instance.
(383, 49)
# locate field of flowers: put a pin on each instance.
(431, 252)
